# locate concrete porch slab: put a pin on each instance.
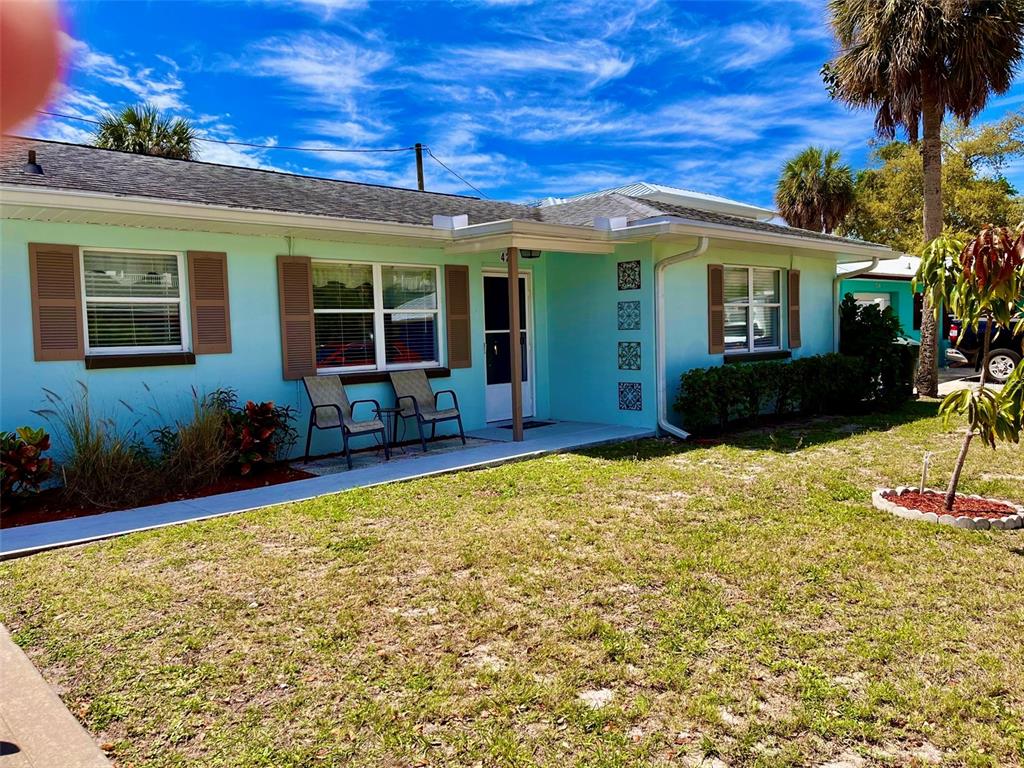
(562, 436)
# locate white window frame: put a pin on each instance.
(378, 312)
(750, 303)
(184, 314)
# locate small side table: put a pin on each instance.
(390, 418)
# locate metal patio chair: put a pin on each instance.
(417, 400)
(331, 409)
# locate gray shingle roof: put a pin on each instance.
(582, 213)
(89, 169)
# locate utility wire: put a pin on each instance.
(246, 143)
(252, 145)
(453, 173)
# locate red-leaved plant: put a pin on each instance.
(258, 434)
(22, 464)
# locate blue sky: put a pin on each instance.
(524, 99)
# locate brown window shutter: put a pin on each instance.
(793, 299)
(208, 297)
(456, 295)
(298, 332)
(55, 272)
(716, 309)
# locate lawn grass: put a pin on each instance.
(741, 601)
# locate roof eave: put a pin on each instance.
(843, 250)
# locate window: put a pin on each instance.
(374, 316)
(752, 309)
(133, 302)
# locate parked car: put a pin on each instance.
(362, 353)
(1005, 349)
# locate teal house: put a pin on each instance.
(147, 279)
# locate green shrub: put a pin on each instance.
(713, 399)
(194, 453)
(257, 434)
(103, 463)
(875, 336)
(22, 464)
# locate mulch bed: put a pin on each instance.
(50, 504)
(963, 506)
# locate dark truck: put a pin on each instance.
(1005, 349)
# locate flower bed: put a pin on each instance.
(969, 512)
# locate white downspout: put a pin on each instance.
(659, 333)
(835, 298)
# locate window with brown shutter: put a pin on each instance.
(793, 298)
(56, 285)
(716, 309)
(456, 294)
(295, 296)
(208, 296)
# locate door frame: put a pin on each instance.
(527, 275)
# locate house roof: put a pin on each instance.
(584, 210)
(675, 196)
(902, 268)
(90, 169)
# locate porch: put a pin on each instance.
(488, 447)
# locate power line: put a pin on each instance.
(245, 143)
(453, 173)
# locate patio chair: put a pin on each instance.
(417, 400)
(331, 409)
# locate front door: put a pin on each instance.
(498, 352)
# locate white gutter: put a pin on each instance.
(835, 297)
(659, 333)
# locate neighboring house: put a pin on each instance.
(121, 270)
(889, 285)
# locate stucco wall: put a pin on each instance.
(253, 368)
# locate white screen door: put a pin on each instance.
(498, 353)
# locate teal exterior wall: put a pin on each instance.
(253, 368)
(585, 366)
(901, 297)
(584, 337)
(686, 303)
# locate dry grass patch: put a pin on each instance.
(648, 603)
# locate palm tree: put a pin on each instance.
(912, 61)
(815, 191)
(142, 130)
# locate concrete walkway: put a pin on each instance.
(36, 729)
(560, 436)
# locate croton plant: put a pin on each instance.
(23, 468)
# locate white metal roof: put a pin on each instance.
(675, 196)
(904, 267)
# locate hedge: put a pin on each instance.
(715, 399)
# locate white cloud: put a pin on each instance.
(330, 68)
(163, 90)
(756, 43)
(594, 61)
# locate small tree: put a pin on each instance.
(980, 282)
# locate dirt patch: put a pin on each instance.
(51, 504)
(964, 506)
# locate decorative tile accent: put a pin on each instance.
(629, 275)
(629, 355)
(630, 398)
(629, 315)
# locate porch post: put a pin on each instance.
(514, 343)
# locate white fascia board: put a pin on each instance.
(72, 200)
(842, 251)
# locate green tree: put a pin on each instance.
(888, 198)
(982, 283)
(815, 190)
(911, 61)
(143, 130)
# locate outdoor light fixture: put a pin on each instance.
(528, 254)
